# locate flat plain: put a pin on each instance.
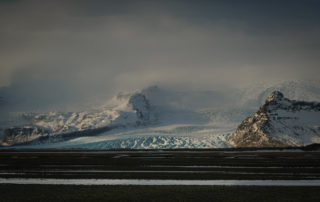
(235, 165)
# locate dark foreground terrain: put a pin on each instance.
(54, 193)
(174, 164)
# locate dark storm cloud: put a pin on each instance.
(89, 48)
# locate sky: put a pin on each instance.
(73, 49)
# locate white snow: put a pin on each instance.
(297, 128)
(121, 110)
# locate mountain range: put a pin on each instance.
(158, 117)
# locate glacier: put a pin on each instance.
(151, 118)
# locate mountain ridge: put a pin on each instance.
(132, 110)
(180, 114)
(279, 122)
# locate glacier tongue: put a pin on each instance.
(157, 142)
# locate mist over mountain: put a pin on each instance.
(69, 55)
(155, 114)
(255, 95)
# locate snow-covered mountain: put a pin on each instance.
(149, 117)
(144, 118)
(124, 110)
(280, 122)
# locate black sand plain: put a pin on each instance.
(287, 164)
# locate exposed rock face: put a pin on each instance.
(141, 105)
(19, 135)
(279, 122)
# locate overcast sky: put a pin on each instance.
(84, 48)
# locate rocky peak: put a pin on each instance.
(279, 122)
(275, 96)
(139, 103)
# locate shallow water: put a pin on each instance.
(158, 151)
(159, 182)
(116, 171)
(240, 167)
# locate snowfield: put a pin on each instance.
(280, 122)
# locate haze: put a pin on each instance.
(66, 51)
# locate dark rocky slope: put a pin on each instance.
(280, 122)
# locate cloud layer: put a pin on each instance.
(80, 49)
